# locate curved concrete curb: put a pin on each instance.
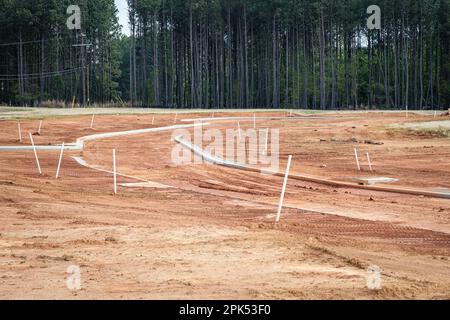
(83, 163)
(79, 144)
(71, 147)
(338, 184)
(207, 156)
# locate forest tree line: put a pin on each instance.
(314, 54)
(41, 59)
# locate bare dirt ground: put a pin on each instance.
(207, 232)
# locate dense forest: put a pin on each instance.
(41, 59)
(316, 54)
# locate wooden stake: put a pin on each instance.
(357, 160)
(266, 142)
(20, 131)
(35, 154)
(40, 126)
(370, 162)
(92, 120)
(239, 128)
(60, 159)
(283, 191)
(114, 170)
(245, 151)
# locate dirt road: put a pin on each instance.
(203, 231)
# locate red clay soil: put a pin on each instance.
(210, 233)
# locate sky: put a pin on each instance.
(123, 15)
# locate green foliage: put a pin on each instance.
(51, 64)
(229, 53)
(247, 53)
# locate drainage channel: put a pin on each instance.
(79, 144)
(222, 162)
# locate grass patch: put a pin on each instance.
(439, 132)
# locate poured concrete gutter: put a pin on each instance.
(71, 147)
(79, 144)
(83, 163)
(338, 184)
